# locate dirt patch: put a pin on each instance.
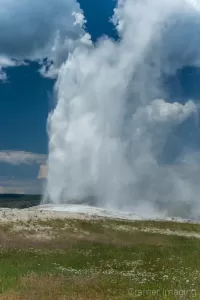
(50, 287)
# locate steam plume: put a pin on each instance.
(110, 126)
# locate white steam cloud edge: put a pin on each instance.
(108, 128)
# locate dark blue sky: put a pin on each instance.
(25, 102)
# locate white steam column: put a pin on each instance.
(107, 129)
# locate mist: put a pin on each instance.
(113, 118)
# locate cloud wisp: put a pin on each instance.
(21, 157)
(22, 172)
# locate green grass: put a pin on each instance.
(99, 260)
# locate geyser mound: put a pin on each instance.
(109, 130)
(90, 211)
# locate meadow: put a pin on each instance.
(99, 259)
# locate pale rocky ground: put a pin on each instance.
(25, 220)
(48, 212)
(31, 214)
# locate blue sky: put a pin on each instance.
(25, 102)
(27, 97)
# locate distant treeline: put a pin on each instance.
(19, 201)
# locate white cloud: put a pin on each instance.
(3, 76)
(79, 19)
(21, 157)
(161, 112)
(6, 62)
(34, 30)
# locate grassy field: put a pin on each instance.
(99, 259)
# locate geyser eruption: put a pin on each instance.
(108, 132)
